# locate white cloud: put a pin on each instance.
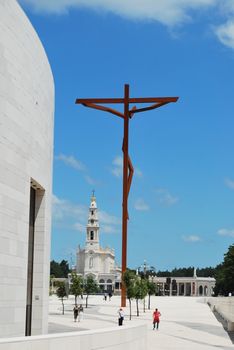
(138, 173)
(164, 197)
(141, 205)
(108, 229)
(117, 169)
(225, 33)
(74, 216)
(63, 209)
(168, 12)
(71, 161)
(191, 238)
(108, 219)
(229, 183)
(226, 7)
(79, 227)
(226, 232)
(90, 180)
(77, 165)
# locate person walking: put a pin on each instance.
(121, 316)
(81, 313)
(75, 312)
(156, 318)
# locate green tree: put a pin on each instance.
(225, 274)
(182, 272)
(151, 288)
(61, 293)
(129, 279)
(77, 286)
(206, 271)
(59, 270)
(64, 268)
(164, 273)
(55, 269)
(90, 287)
(140, 291)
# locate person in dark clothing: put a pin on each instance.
(121, 316)
(75, 312)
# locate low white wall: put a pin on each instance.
(225, 307)
(121, 338)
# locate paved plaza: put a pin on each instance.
(186, 322)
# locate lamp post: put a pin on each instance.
(96, 103)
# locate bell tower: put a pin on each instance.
(92, 229)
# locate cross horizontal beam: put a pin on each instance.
(130, 100)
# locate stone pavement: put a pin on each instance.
(186, 322)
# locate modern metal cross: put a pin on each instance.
(127, 164)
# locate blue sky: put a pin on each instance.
(181, 204)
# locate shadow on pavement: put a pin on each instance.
(58, 328)
(203, 343)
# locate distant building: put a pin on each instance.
(26, 157)
(186, 286)
(95, 261)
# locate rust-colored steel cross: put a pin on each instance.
(127, 164)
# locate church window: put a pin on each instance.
(92, 235)
(91, 212)
(90, 262)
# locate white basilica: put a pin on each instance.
(94, 260)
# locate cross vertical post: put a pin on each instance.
(125, 190)
(97, 103)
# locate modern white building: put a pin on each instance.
(26, 154)
(95, 261)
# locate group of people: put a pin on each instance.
(105, 296)
(78, 312)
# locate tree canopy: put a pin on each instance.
(90, 287)
(188, 272)
(77, 286)
(225, 274)
(59, 270)
(61, 293)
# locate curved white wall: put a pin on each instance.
(117, 338)
(26, 154)
(225, 307)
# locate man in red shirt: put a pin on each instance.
(156, 319)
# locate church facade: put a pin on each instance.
(95, 261)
